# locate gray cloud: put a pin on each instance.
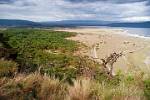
(112, 1)
(5, 1)
(39, 10)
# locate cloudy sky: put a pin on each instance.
(54, 10)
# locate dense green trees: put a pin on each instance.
(47, 50)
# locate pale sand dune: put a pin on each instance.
(107, 41)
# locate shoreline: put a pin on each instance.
(126, 31)
(108, 41)
(135, 35)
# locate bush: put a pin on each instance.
(7, 68)
(42, 87)
(65, 74)
(147, 89)
(31, 46)
(81, 90)
(33, 87)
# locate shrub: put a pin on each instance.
(147, 89)
(65, 74)
(7, 68)
(38, 87)
(81, 90)
(31, 46)
(52, 89)
(33, 87)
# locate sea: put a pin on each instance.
(141, 32)
(137, 32)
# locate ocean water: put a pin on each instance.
(143, 32)
(137, 32)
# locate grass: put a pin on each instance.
(81, 90)
(33, 86)
(147, 88)
(7, 68)
(45, 68)
(37, 86)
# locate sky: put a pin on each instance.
(56, 10)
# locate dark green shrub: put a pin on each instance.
(31, 46)
(147, 89)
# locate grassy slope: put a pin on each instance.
(76, 78)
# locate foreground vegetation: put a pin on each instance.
(42, 65)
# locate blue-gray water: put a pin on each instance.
(139, 31)
(135, 31)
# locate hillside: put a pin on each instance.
(17, 23)
(44, 65)
(133, 24)
(71, 23)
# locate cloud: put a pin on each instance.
(48, 10)
(111, 1)
(136, 19)
(5, 1)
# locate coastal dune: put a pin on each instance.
(101, 42)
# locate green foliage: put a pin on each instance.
(1, 45)
(48, 51)
(7, 68)
(147, 89)
(51, 54)
(64, 74)
(32, 46)
(39, 39)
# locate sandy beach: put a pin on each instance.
(101, 42)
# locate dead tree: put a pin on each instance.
(108, 63)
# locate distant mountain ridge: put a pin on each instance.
(71, 23)
(76, 23)
(131, 24)
(17, 23)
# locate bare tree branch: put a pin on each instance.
(108, 63)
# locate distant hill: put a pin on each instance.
(134, 25)
(17, 23)
(71, 23)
